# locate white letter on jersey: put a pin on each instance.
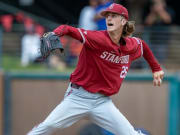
(103, 55)
(123, 72)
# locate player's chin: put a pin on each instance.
(110, 29)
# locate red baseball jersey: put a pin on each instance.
(102, 64)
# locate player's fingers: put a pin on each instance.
(155, 82)
(162, 75)
(159, 82)
(155, 75)
(158, 76)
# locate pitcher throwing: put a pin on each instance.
(103, 64)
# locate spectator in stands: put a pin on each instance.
(103, 4)
(157, 16)
(74, 49)
(6, 21)
(30, 47)
(86, 19)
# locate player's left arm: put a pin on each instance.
(88, 38)
(158, 73)
(70, 31)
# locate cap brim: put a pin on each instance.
(103, 13)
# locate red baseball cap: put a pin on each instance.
(116, 8)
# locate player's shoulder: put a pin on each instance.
(132, 44)
(95, 33)
(133, 40)
(102, 33)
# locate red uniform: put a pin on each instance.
(102, 64)
(101, 68)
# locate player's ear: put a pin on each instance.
(123, 21)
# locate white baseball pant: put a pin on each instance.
(79, 103)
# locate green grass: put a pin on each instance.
(12, 63)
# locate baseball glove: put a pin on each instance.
(50, 42)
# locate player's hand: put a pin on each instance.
(49, 43)
(158, 77)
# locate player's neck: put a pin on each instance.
(115, 37)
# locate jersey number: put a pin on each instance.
(123, 72)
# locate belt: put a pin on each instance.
(75, 86)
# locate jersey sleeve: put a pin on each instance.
(149, 57)
(139, 49)
(87, 37)
(70, 31)
(91, 39)
(144, 50)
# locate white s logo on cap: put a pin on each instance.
(111, 6)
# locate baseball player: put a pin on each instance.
(103, 64)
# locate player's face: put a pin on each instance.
(114, 22)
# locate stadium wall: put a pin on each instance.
(1, 103)
(31, 97)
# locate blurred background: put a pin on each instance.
(30, 89)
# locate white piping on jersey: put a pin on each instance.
(82, 35)
(139, 42)
(141, 49)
